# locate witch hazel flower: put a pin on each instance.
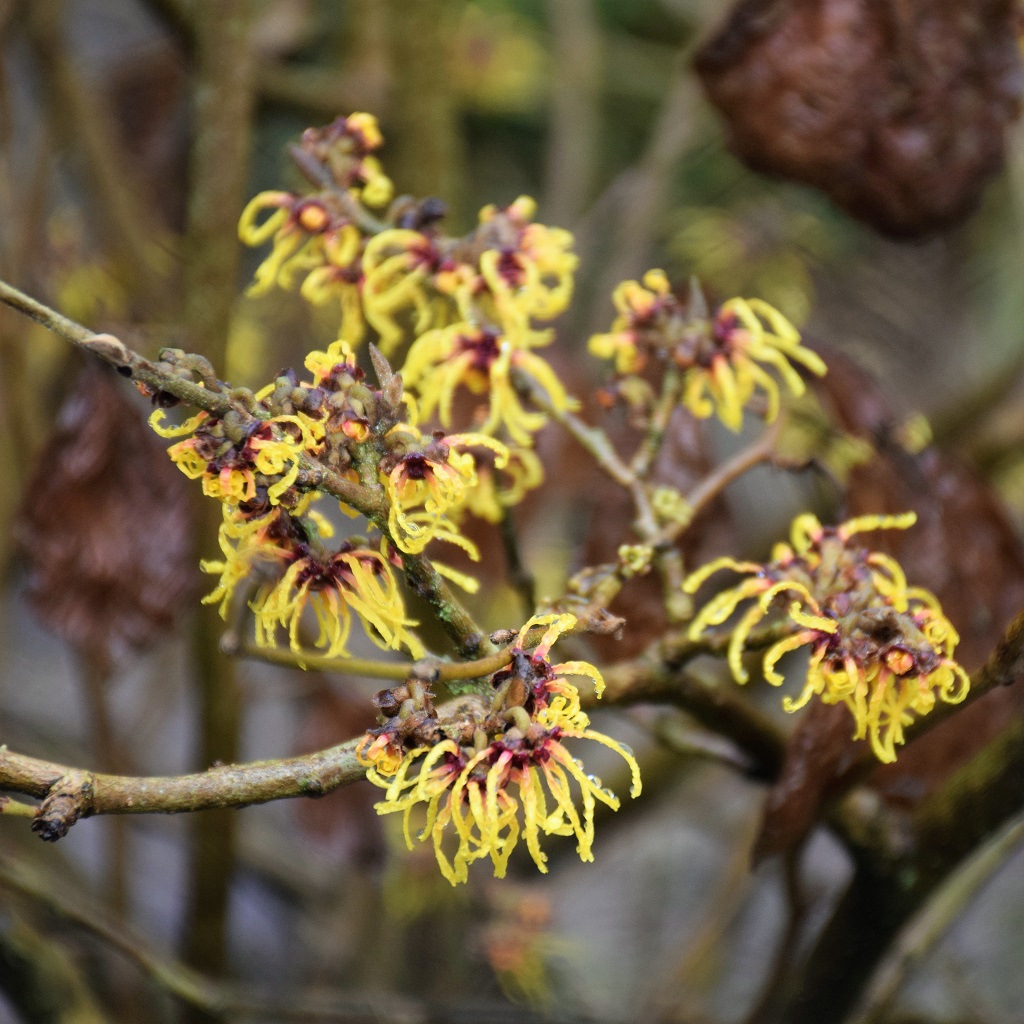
(476, 777)
(879, 646)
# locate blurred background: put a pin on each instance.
(889, 228)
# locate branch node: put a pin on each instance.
(69, 799)
(109, 349)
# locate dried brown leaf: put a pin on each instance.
(105, 526)
(896, 110)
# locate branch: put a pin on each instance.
(460, 626)
(732, 469)
(429, 669)
(599, 445)
(657, 675)
(70, 793)
(113, 351)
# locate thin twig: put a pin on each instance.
(668, 401)
(16, 809)
(715, 482)
(430, 669)
(600, 447)
(657, 675)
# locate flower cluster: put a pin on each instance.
(250, 459)
(483, 773)
(284, 550)
(725, 359)
(471, 304)
(877, 645)
(237, 454)
(476, 302)
(316, 237)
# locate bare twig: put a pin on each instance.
(715, 482)
(15, 809)
(658, 675)
(600, 447)
(433, 670)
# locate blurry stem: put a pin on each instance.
(641, 190)
(716, 481)
(214, 998)
(927, 927)
(964, 812)
(647, 453)
(519, 575)
(785, 954)
(109, 755)
(425, 153)
(40, 981)
(218, 166)
(573, 131)
(672, 731)
(597, 442)
(658, 675)
(123, 214)
(669, 562)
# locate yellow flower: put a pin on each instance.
(499, 489)
(339, 277)
(248, 540)
(287, 547)
(482, 360)
(343, 150)
(641, 309)
(338, 359)
(529, 268)
(486, 776)
(350, 580)
(398, 270)
(728, 372)
(299, 229)
(877, 645)
(429, 482)
(725, 362)
(228, 458)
